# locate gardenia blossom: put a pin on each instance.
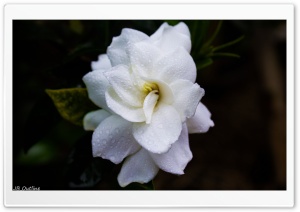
(146, 88)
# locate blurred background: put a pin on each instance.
(245, 90)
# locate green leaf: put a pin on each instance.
(203, 30)
(204, 63)
(172, 22)
(214, 35)
(42, 118)
(76, 26)
(199, 31)
(204, 52)
(41, 153)
(72, 103)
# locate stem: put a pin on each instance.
(225, 54)
(229, 43)
(215, 34)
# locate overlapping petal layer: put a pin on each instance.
(92, 119)
(121, 82)
(187, 98)
(161, 133)
(174, 65)
(168, 38)
(117, 49)
(137, 168)
(97, 84)
(113, 139)
(103, 63)
(128, 112)
(176, 159)
(200, 122)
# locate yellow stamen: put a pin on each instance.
(148, 87)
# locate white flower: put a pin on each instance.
(150, 102)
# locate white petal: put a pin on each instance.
(138, 168)
(176, 65)
(96, 84)
(188, 95)
(122, 83)
(117, 50)
(162, 132)
(200, 122)
(92, 119)
(142, 57)
(113, 139)
(102, 63)
(182, 28)
(128, 112)
(169, 38)
(149, 104)
(176, 159)
(158, 33)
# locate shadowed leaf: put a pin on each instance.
(76, 26)
(72, 104)
(204, 63)
(90, 176)
(42, 118)
(41, 153)
(82, 171)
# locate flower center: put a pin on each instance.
(148, 87)
(151, 99)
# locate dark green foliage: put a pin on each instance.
(204, 50)
(82, 171)
(42, 118)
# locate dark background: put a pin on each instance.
(246, 150)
